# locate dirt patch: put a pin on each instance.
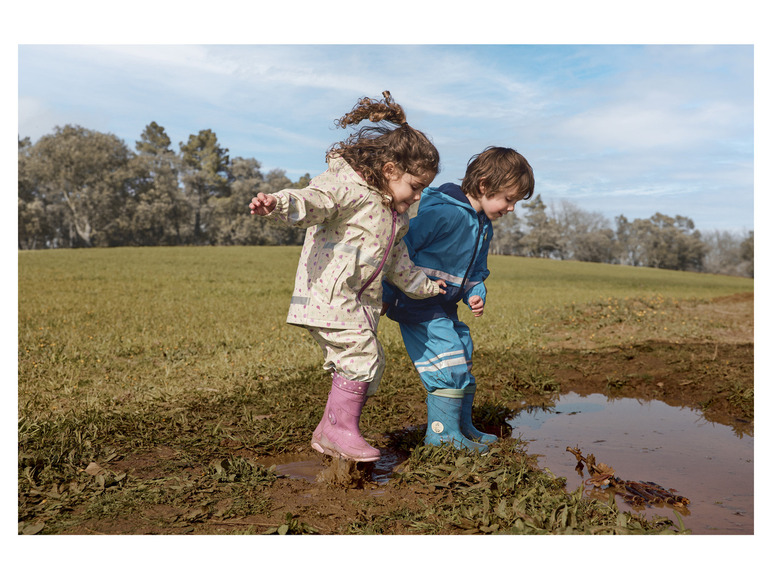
(707, 377)
(708, 367)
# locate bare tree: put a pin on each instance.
(585, 236)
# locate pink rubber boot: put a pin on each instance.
(338, 432)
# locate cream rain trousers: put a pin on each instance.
(355, 354)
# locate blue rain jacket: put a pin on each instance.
(447, 240)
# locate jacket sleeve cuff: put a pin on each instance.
(477, 290)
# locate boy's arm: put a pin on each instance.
(480, 273)
(477, 305)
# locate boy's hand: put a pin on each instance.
(478, 305)
(262, 204)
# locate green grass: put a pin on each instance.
(524, 293)
(123, 351)
(130, 326)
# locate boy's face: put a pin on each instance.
(405, 188)
(500, 203)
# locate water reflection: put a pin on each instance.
(709, 463)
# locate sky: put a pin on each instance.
(617, 129)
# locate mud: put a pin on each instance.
(695, 378)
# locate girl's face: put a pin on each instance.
(499, 204)
(405, 188)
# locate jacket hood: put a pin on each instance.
(448, 192)
(345, 172)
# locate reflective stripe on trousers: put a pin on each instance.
(441, 351)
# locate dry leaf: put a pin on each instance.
(94, 469)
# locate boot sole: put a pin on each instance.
(335, 453)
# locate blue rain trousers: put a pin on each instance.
(441, 351)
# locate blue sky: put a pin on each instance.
(616, 129)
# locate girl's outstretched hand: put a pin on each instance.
(478, 305)
(442, 284)
(262, 204)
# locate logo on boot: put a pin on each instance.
(437, 427)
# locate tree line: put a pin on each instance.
(83, 188)
(567, 232)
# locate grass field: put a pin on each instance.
(130, 349)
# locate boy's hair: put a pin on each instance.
(368, 150)
(498, 168)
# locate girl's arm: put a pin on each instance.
(297, 207)
(403, 274)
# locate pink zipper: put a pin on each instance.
(380, 267)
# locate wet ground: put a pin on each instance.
(315, 467)
(709, 463)
(656, 411)
(676, 447)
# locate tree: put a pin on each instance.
(231, 221)
(507, 235)
(87, 172)
(205, 165)
(598, 245)
(276, 180)
(32, 223)
(161, 214)
(584, 236)
(722, 255)
(154, 140)
(746, 252)
(542, 238)
(661, 241)
(628, 249)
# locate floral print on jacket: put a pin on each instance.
(352, 241)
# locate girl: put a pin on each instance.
(355, 215)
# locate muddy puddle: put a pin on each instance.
(312, 466)
(710, 464)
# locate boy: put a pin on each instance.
(448, 239)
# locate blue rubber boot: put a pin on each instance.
(467, 428)
(444, 424)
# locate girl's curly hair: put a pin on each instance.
(369, 149)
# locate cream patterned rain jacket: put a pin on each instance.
(352, 242)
